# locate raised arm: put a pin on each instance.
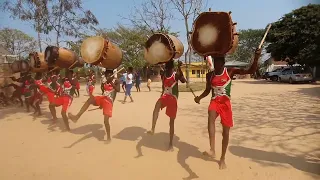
(179, 74)
(207, 90)
(250, 70)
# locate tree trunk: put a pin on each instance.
(188, 50)
(39, 42)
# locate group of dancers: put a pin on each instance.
(59, 92)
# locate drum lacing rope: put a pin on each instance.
(172, 45)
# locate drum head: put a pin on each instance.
(51, 54)
(92, 49)
(212, 33)
(158, 49)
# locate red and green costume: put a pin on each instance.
(106, 101)
(220, 101)
(170, 95)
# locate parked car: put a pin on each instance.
(296, 74)
(274, 75)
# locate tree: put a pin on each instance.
(34, 11)
(67, 17)
(296, 36)
(249, 40)
(17, 42)
(153, 16)
(131, 41)
(188, 9)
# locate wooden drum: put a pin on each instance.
(161, 48)
(37, 62)
(60, 57)
(214, 34)
(20, 66)
(99, 51)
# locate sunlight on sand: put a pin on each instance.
(276, 136)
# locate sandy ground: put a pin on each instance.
(276, 136)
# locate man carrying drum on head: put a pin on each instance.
(169, 97)
(91, 82)
(219, 82)
(63, 99)
(105, 102)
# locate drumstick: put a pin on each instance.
(192, 92)
(75, 62)
(264, 37)
(94, 109)
(53, 69)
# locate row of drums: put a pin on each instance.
(214, 33)
(54, 57)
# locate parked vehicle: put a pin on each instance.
(296, 74)
(274, 75)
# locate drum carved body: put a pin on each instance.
(37, 62)
(99, 51)
(60, 57)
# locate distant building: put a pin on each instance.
(271, 64)
(199, 69)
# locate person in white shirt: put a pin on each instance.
(129, 79)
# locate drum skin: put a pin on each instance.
(37, 62)
(98, 51)
(161, 48)
(221, 31)
(20, 66)
(61, 57)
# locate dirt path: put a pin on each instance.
(276, 136)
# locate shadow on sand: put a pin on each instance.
(311, 165)
(91, 130)
(160, 142)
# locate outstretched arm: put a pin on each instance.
(250, 70)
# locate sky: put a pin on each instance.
(252, 14)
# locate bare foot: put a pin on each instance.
(150, 132)
(123, 102)
(73, 117)
(210, 154)
(170, 149)
(222, 164)
(54, 120)
(108, 141)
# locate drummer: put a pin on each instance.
(169, 97)
(64, 99)
(90, 82)
(219, 82)
(105, 102)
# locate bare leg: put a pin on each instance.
(78, 93)
(53, 112)
(37, 105)
(212, 116)
(65, 119)
(125, 98)
(107, 126)
(171, 133)
(155, 116)
(225, 142)
(83, 109)
(26, 101)
(131, 98)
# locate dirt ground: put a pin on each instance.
(276, 136)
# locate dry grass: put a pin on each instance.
(196, 86)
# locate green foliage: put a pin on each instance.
(131, 41)
(296, 36)
(17, 42)
(249, 40)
